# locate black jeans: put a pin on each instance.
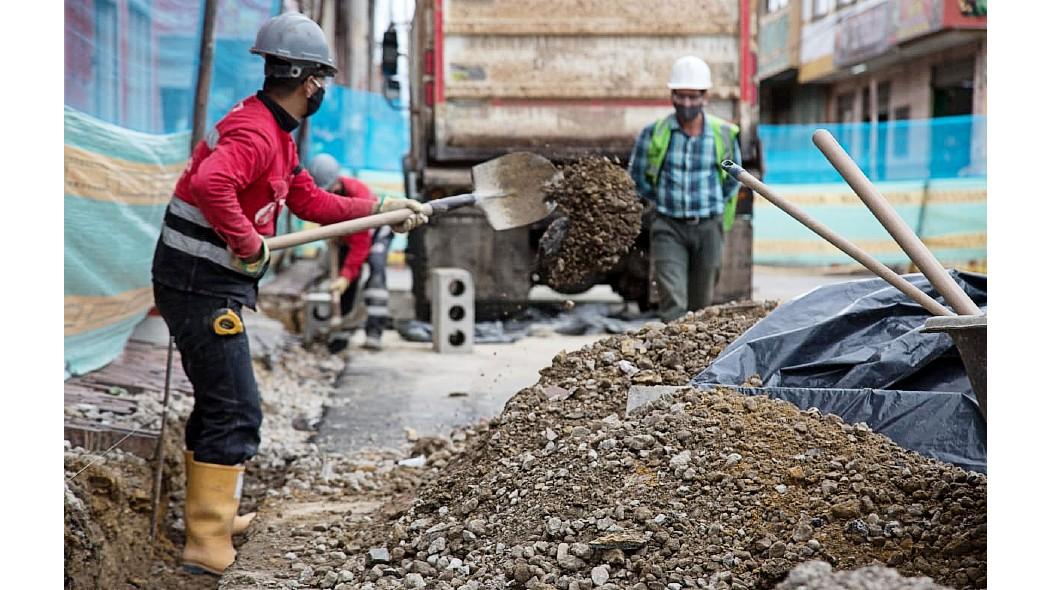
(376, 295)
(224, 425)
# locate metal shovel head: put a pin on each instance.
(510, 189)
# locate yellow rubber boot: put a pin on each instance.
(241, 521)
(212, 495)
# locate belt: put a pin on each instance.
(692, 220)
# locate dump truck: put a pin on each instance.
(563, 80)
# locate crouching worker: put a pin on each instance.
(211, 254)
(354, 250)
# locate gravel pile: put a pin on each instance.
(695, 490)
(598, 218)
(108, 505)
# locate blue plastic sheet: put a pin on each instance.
(904, 150)
(130, 79)
(933, 172)
(362, 130)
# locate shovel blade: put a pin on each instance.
(510, 189)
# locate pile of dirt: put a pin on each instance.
(108, 504)
(697, 489)
(598, 218)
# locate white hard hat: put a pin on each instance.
(690, 73)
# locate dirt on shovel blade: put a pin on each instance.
(598, 218)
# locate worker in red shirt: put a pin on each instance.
(211, 254)
(355, 247)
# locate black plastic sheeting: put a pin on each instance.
(484, 332)
(854, 349)
(583, 319)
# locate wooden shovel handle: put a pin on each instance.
(352, 226)
(894, 224)
(849, 248)
(337, 229)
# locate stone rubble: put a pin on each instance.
(691, 490)
(597, 219)
(567, 490)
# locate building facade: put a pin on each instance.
(871, 61)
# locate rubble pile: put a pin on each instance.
(107, 512)
(694, 490)
(598, 217)
(108, 498)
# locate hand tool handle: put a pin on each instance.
(351, 226)
(337, 229)
(440, 206)
(851, 249)
(158, 453)
(892, 221)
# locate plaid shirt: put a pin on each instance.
(689, 184)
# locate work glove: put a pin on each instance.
(418, 218)
(340, 284)
(253, 268)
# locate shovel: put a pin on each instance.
(508, 189)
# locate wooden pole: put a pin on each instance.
(894, 224)
(849, 248)
(207, 53)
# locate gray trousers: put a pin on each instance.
(687, 258)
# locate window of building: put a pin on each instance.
(773, 6)
(900, 132)
(844, 108)
(106, 61)
(140, 72)
(953, 87)
(883, 108)
(821, 8)
(842, 3)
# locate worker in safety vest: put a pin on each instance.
(211, 255)
(353, 252)
(675, 166)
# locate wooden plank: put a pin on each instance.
(139, 369)
(94, 437)
(591, 17)
(102, 401)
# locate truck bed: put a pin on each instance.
(564, 77)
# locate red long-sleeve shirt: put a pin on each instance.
(241, 181)
(358, 243)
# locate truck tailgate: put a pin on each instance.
(567, 76)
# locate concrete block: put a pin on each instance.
(452, 309)
(318, 309)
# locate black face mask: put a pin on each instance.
(687, 113)
(313, 102)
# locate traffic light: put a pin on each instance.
(390, 52)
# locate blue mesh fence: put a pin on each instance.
(361, 130)
(916, 149)
(130, 80)
(933, 171)
(133, 63)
